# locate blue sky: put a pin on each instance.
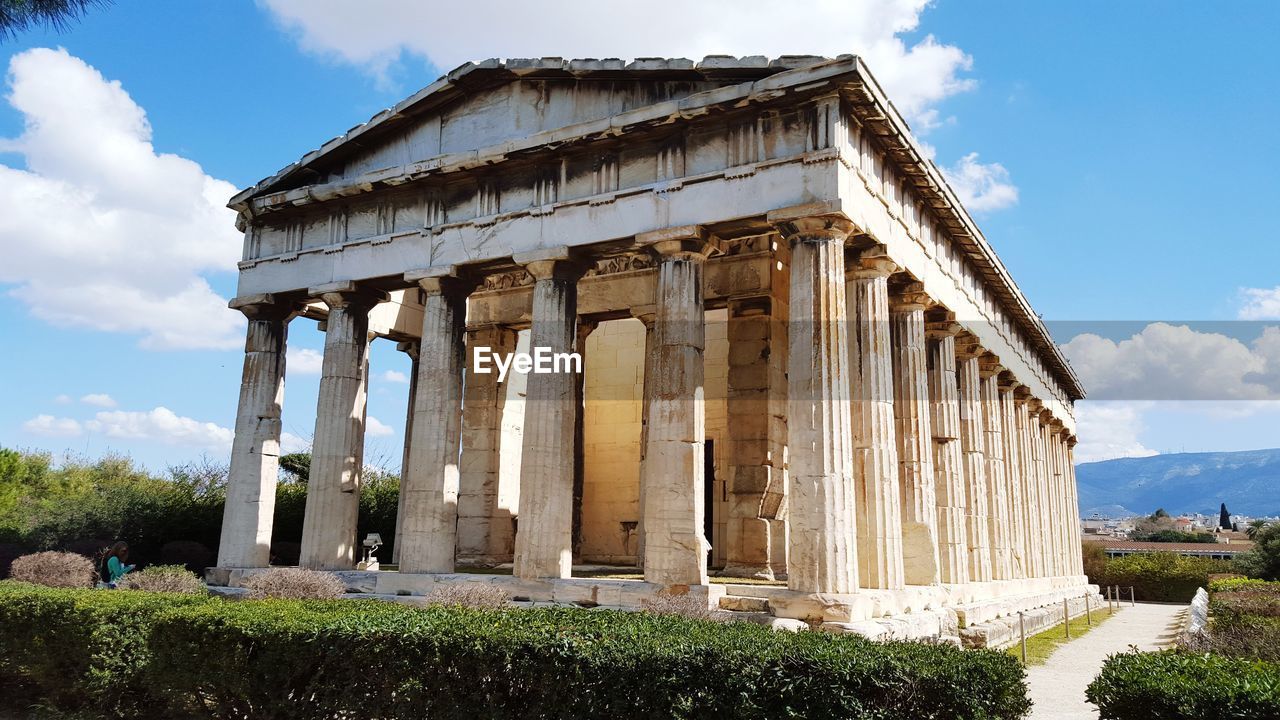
(1119, 156)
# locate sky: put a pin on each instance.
(1120, 158)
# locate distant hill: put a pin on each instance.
(1248, 482)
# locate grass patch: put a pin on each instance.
(1041, 645)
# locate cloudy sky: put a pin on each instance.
(1119, 156)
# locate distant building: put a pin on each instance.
(1221, 550)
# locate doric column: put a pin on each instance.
(915, 437)
(410, 348)
(757, 430)
(647, 315)
(1077, 565)
(255, 452)
(430, 487)
(544, 536)
(822, 551)
(1053, 505)
(1040, 517)
(337, 451)
(875, 448)
(581, 333)
(948, 463)
(972, 444)
(1062, 511)
(997, 484)
(675, 551)
(1028, 411)
(1015, 476)
(485, 533)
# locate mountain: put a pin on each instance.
(1248, 482)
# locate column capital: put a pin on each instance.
(553, 263)
(264, 306)
(685, 242)
(812, 222)
(410, 347)
(347, 294)
(1072, 441)
(908, 297)
(968, 347)
(645, 314)
(443, 279)
(873, 262)
(1008, 382)
(989, 365)
(940, 329)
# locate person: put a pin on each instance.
(113, 564)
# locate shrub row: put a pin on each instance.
(1185, 686)
(135, 654)
(1159, 577)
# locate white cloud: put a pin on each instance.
(162, 425)
(982, 187)
(98, 230)
(1260, 303)
(1176, 362)
(50, 426)
(99, 399)
(1110, 430)
(303, 361)
(62, 399)
(395, 376)
(376, 34)
(290, 443)
(373, 427)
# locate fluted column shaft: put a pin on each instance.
(915, 440)
(1014, 477)
(648, 316)
(975, 470)
(430, 487)
(822, 554)
(997, 485)
(944, 394)
(255, 452)
(484, 529)
(337, 454)
(1077, 566)
(411, 349)
(1035, 498)
(544, 538)
(1053, 519)
(1044, 541)
(1061, 507)
(875, 448)
(675, 551)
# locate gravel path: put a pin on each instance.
(1057, 687)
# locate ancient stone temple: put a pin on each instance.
(802, 362)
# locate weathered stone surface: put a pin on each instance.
(915, 440)
(953, 544)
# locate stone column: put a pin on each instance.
(1014, 478)
(411, 349)
(255, 452)
(1077, 566)
(581, 334)
(757, 429)
(646, 315)
(430, 488)
(484, 531)
(997, 485)
(975, 464)
(875, 448)
(1062, 511)
(544, 538)
(337, 454)
(1028, 418)
(1053, 504)
(915, 437)
(822, 551)
(1035, 437)
(675, 551)
(948, 464)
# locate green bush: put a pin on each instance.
(1184, 686)
(1161, 577)
(1241, 583)
(143, 655)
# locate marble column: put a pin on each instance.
(647, 315)
(675, 551)
(875, 447)
(337, 456)
(1061, 506)
(757, 430)
(430, 487)
(485, 532)
(255, 452)
(1028, 418)
(1039, 476)
(581, 334)
(544, 537)
(1014, 478)
(410, 348)
(997, 484)
(1053, 503)
(972, 445)
(1077, 566)
(915, 437)
(822, 551)
(948, 463)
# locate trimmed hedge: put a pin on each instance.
(1160, 577)
(134, 654)
(1181, 686)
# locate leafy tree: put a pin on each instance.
(1254, 527)
(19, 15)
(1263, 561)
(298, 465)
